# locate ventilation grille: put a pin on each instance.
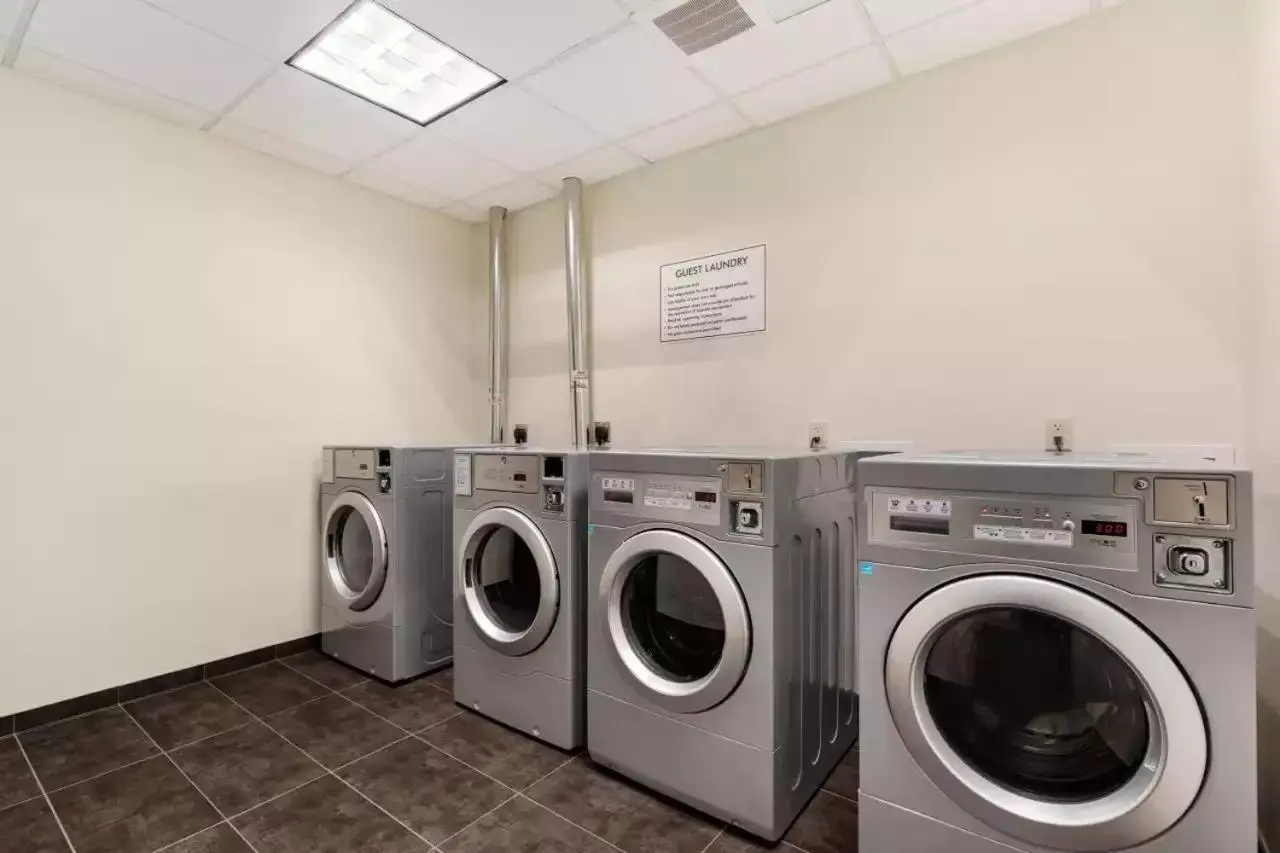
(700, 24)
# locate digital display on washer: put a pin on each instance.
(1093, 527)
(705, 497)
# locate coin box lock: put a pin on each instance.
(748, 517)
(1192, 562)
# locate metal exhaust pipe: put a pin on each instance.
(497, 325)
(575, 267)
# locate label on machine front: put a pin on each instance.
(1023, 535)
(900, 505)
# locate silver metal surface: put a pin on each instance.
(575, 267)
(498, 637)
(1192, 562)
(1154, 799)
(358, 599)
(684, 697)
(498, 325)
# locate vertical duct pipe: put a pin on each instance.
(575, 267)
(497, 325)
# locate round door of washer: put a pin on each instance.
(1046, 713)
(354, 545)
(675, 620)
(507, 576)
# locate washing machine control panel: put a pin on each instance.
(1090, 531)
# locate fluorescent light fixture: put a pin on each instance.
(374, 53)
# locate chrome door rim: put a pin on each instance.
(682, 697)
(359, 504)
(513, 643)
(1157, 796)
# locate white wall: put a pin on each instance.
(951, 259)
(1264, 386)
(184, 324)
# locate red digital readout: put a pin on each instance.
(1093, 527)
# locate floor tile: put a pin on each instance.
(325, 816)
(495, 750)
(168, 681)
(334, 731)
(245, 767)
(412, 706)
(844, 778)
(522, 826)
(63, 710)
(829, 824)
(133, 810)
(426, 789)
(269, 689)
(244, 660)
(442, 678)
(621, 813)
(16, 782)
(31, 828)
(325, 670)
(73, 750)
(220, 839)
(187, 714)
(735, 841)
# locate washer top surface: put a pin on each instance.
(1083, 460)
(719, 452)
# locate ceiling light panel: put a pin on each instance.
(379, 56)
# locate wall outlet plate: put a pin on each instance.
(1059, 435)
(819, 433)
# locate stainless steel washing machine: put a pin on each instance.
(1052, 649)
(385, 547)
(520, 524)
(720, 600)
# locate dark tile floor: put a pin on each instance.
(306, 756)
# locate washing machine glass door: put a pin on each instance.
(1046, 712)
(508, 578)
(675, 620)
(354, 545)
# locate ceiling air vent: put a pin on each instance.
(700, 24)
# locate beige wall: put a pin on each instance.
(1264, 385)
(951, 260)
(184, 324)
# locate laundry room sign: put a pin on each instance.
(715, 295)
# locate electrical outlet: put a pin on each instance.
(818, 431)
(1059, 435)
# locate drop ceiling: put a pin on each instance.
(595, 88)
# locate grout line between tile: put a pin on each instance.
(468, 766)
(358, 792)
(48, 802)
(106, 772)
(712, 842)
(570, 822)
(347, 764)
(21, 802)
(173, 844)
(191, 782)
(837, 796)
(477, 820)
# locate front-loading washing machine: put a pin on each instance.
(1057, 654)
(720, 667)
(386, 593)
(520, 537)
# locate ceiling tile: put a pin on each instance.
(691, 131)
(515, 128)
(142, 45)
(301, 108)
(768, 50)
(594, 166)
(9, 11)
(399, 189)
(891, 16)
(511, 37)
(104, 87)
(625, 83)
(520, 193)
(440, 166)
(465, 212)
(842, 77)
(978, 28)
(276, 29)
(283, 149)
